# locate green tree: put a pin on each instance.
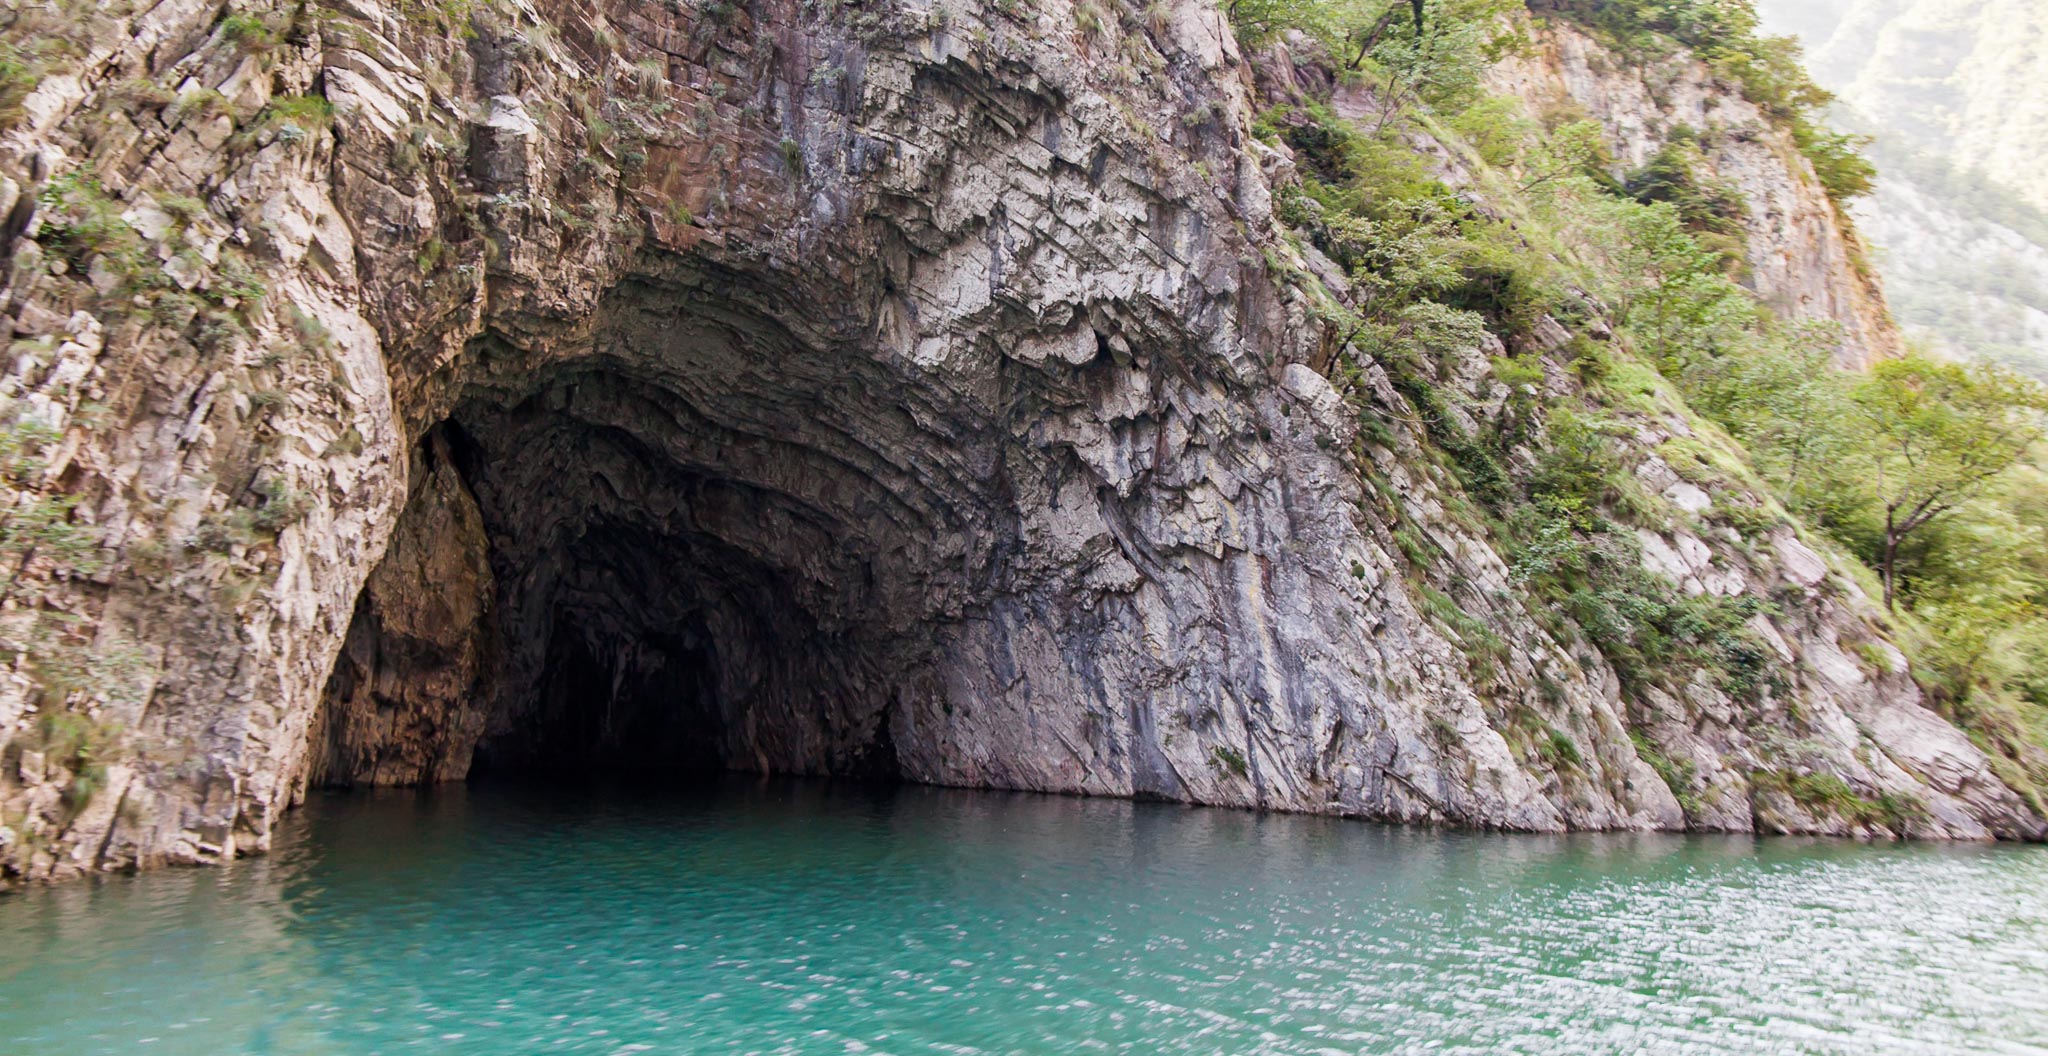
(1778, 392)
(1941, 434)
(1574, 149)
(1415, 51)
(1672, 292)
(1258, 22)
(1440, 68)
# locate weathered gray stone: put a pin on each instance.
(862, 395)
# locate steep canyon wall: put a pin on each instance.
(926, 393)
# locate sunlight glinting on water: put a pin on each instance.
(806, 918)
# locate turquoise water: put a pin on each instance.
(809, 918)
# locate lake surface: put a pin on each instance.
(793, 917)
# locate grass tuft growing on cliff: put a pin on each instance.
(36, 41)
(248, 33)
(1827, 795)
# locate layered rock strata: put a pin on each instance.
(891, 391)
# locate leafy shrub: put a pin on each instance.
(247, 32)
(41, 529)
(1226, 758)
(1825, 793)
(1672, 175)
(20, 72)
(1837, 159)
(282, 505)
(81, 221)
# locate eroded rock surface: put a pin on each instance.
(898, 391)
(402, 707)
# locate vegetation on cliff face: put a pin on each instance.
(1925, 471)
(265, 254)
(1769, 70)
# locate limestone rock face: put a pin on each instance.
(401, 707)
(899, 391)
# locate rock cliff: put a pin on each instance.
(400, 388)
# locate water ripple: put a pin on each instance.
(804, 918)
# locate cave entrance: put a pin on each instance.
(687, 547)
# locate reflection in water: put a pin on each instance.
(805, 917)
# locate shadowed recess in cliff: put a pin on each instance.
(708, 545)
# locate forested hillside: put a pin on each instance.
(1951, 94)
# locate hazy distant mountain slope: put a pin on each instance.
(1952, 89)
(1964, 76)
